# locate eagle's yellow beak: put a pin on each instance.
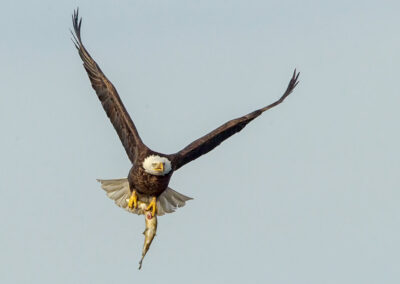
(159, 167)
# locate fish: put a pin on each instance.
(150, 231)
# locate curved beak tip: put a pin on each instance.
(160, 167)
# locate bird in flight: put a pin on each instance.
(151, 171)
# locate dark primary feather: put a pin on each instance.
(108, 96)
(208, 142)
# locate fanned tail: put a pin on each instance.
(119, 191)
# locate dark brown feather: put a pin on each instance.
(208, 142)
(145, 183)
(108, 96)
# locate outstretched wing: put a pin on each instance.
(208, 142)
(108, 96)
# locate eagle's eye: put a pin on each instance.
(154, 164)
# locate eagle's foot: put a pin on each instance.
(132, 203)
(153, 206)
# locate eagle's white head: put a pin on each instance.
(156, 165)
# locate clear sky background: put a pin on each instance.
(306, 193)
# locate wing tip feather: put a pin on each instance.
(292, 83)
(77, 23)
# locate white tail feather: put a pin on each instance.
(118, 190)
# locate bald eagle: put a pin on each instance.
(151, 171)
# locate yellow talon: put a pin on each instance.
(132, 203)
(152, 205)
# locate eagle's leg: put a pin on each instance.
(132, 203)
(152, 205)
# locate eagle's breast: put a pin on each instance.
(146, 183)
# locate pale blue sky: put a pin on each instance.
(307, 193)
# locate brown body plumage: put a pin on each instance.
(146, 183)
(140, 180)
